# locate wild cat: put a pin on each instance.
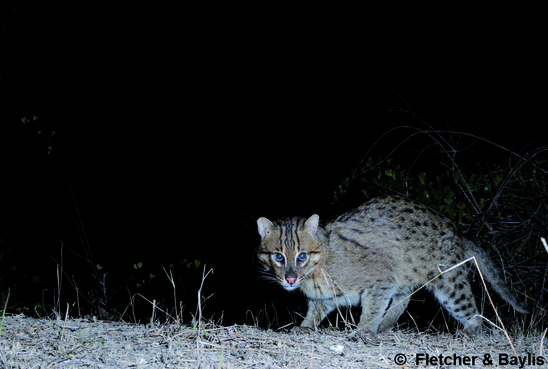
(375, 255)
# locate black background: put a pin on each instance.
(177, 130)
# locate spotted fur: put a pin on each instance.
(374, 256)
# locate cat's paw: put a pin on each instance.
(301, 329)
(362, 335)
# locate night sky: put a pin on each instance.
(175, 139)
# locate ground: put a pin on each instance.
(39, 343)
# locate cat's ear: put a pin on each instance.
(311, 224)
(265, 227)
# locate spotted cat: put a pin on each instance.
(375, 255)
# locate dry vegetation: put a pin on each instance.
(40, 343)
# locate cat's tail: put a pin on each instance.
(490, 271)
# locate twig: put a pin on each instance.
(199, 336)
(153, 311)
(204, 276)
(4, 311)
(77, 297)
(542, 340)
(170, 277)
(493, 305)
(59, 284)
(63, 331)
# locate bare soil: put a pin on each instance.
(41, 343)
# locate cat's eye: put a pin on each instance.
(279, 257)
(302, 257)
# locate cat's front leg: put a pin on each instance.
(317, 311)
(374, 303)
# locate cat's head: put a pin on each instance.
(290, 248)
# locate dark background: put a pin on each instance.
(176, 134)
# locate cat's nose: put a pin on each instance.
(291, 281)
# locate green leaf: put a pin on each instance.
(449, 197)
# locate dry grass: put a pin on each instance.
(33, 343)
